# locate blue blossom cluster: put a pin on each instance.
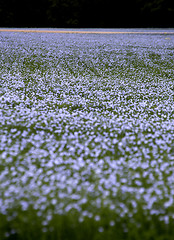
(87, 121)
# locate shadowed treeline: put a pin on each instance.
(86, 13)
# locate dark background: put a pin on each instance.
(87, 13)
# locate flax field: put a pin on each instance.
(86, 136)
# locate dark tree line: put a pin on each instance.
(86, 13)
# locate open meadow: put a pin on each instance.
(86, 136)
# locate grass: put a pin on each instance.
(29, 225)
(87, 129)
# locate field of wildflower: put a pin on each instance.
(86, 136)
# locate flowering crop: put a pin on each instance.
(86, 122)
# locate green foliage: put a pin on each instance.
(28, 225)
